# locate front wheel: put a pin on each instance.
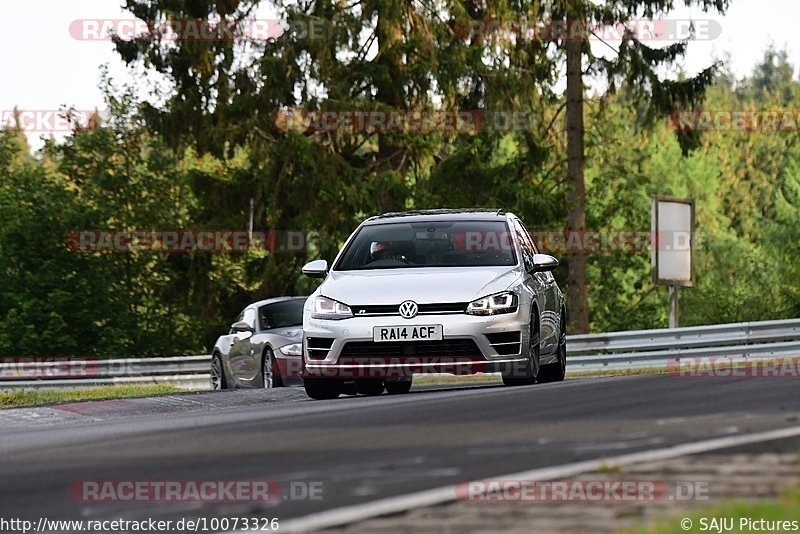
(270, 373)
(322, 388)
(556, 371)
(398, 387)
(217, 374)
(369, 386)
(525, 373)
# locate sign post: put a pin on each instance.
(672, 250)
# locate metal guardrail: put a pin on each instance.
(588, 352)
(185, 372)
(639, 349)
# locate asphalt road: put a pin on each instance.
(359, 449)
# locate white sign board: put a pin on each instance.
(672, 244)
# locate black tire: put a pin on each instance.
(218, 381)
(348, 388)
(526, 374)
(322, 388)
(369, 386)
(556, 371)
(398, 387)
(270, 364)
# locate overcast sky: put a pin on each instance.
(44, 66)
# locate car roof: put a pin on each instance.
(466, 214)
(273, 300)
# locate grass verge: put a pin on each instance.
(618, 372)
(18, 397)
(740, 516)
(455, 379)
(466, 379)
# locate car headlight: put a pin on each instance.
(295, 349)
(505, 302)
(325, 308)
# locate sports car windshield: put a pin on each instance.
(429, 244)
(281, 314)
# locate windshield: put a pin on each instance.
(429, 244)
(281, 314)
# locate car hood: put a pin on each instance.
(291, 334)
(422, 285)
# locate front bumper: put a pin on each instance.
(290, 368)
(465, 348)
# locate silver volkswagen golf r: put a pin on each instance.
(440, 291)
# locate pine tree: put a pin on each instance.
(636, 67)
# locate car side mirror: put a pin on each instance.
(241, 326)
(543, 263)
(316, 269)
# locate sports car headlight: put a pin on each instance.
(295, 349)
(505, 302)
(325, 308)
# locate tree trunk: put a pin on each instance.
(389, 31)
(577, 297)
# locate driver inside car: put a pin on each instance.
(386, 250)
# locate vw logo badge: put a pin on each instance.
(408, 309)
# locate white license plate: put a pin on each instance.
(385, 334)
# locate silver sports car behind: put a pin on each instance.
(263, 347)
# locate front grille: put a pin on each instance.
(424, 309)
(453, 348)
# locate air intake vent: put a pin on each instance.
(318, 347)
(505, 343)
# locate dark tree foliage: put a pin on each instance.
(213, 136)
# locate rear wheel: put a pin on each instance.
(369, 386)
(322, 388)
(523, 374)
(398, 387)
(556, 371)
(217, 374)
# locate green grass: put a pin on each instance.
(16, 398)
(785, 508)
(618, 372)
(456, 379)
(496, 378)
(610, 469)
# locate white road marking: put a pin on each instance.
(432, 497)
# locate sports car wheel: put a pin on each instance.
(217, 374)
